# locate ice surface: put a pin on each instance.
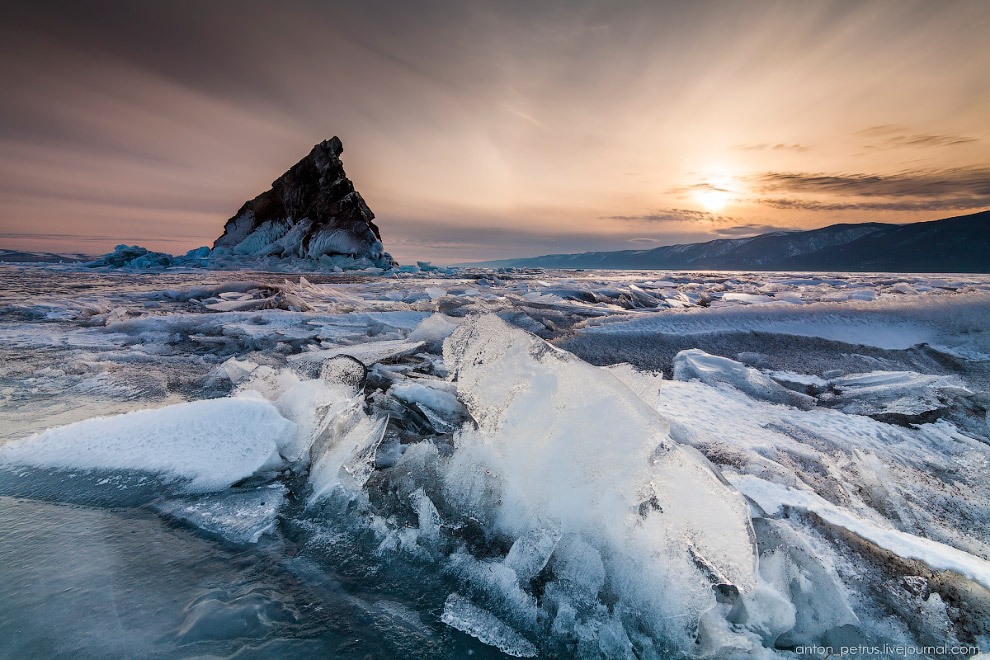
(110, 582)
(869, 466)
(794, 380)
(463, 615)
(889, 324)
(773, 497)
(238, 517)
(213, 444)
(569, 514)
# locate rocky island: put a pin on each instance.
(310, 211)
(311, 218)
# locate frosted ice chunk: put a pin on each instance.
(308, 403)
(434, 329)
(429, 517)
(343, 451)
(238, 370)
(241, 517)
(565, 445)
(766, 611)
(717, 639)
(795, 381)
(531, 552)
(797, 570)
(895, 392)
(461, 614)
(213, 443)
(579, 567)
(444, 403)
(367, 353)
(712, 369)
(246, 304)
(426, 403)
(869, 327)
(746, 298)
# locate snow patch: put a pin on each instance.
(213, 443)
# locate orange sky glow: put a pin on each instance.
(493, 129)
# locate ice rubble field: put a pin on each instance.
(437, 465)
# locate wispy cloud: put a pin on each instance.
(952, 189)
(672, 215)
(955, 204)
(703, 186)
(881, 130)
(893, 136)
(769, 146)
(930, 184)
(522, 115)
(930, 140)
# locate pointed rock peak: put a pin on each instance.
(311, 211)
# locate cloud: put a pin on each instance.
(672, 215)
(881, 130)
(780, 146)
(959, 204)
(953, 189)
(931, 140)
(703, 186)
(922, 141)
(973, 182)
(750, 229)
(893, 136)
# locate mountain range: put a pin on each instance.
(24, 257)
(953, 245)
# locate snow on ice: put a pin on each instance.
(213, 444)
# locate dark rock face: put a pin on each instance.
(311, 211)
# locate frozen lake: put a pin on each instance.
(480, 463)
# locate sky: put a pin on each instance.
(481, 130)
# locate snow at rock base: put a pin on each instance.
(455, 463)
(133, 257)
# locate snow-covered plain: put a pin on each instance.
(439, 464)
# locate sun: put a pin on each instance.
(713, 199)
